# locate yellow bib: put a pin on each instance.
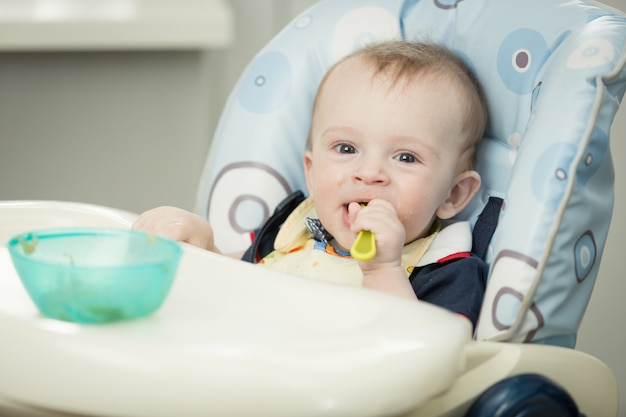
(295, 252)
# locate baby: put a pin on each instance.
(391, 149)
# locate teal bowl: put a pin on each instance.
(94, 275)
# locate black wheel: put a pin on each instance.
(526, 395)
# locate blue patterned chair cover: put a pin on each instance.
(553, 72)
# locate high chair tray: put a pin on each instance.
(232, 339)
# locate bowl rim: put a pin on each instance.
(174, 248)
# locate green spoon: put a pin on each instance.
(364, 247)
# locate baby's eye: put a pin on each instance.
(406, 157)
(345, 148)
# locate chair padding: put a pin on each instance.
(553, 73)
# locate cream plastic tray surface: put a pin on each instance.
(231, 339)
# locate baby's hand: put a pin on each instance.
(177, 224)
(379, 217)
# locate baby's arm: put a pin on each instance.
(177, 224)
(384, 272)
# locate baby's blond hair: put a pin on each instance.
(404, 61)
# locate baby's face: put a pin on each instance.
(369, 141)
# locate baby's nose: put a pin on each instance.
(371, 173)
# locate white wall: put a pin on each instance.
(121, 129)
(106, 116)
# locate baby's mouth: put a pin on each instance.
(346, 211)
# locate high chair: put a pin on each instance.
(553, 73)
(234, 339)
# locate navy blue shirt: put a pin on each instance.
(457, 285)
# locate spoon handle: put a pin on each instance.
(364, 247)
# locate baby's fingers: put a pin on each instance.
(372, 217)
(168, 222)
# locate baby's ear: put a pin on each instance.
(465, 187)
(308, 171)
